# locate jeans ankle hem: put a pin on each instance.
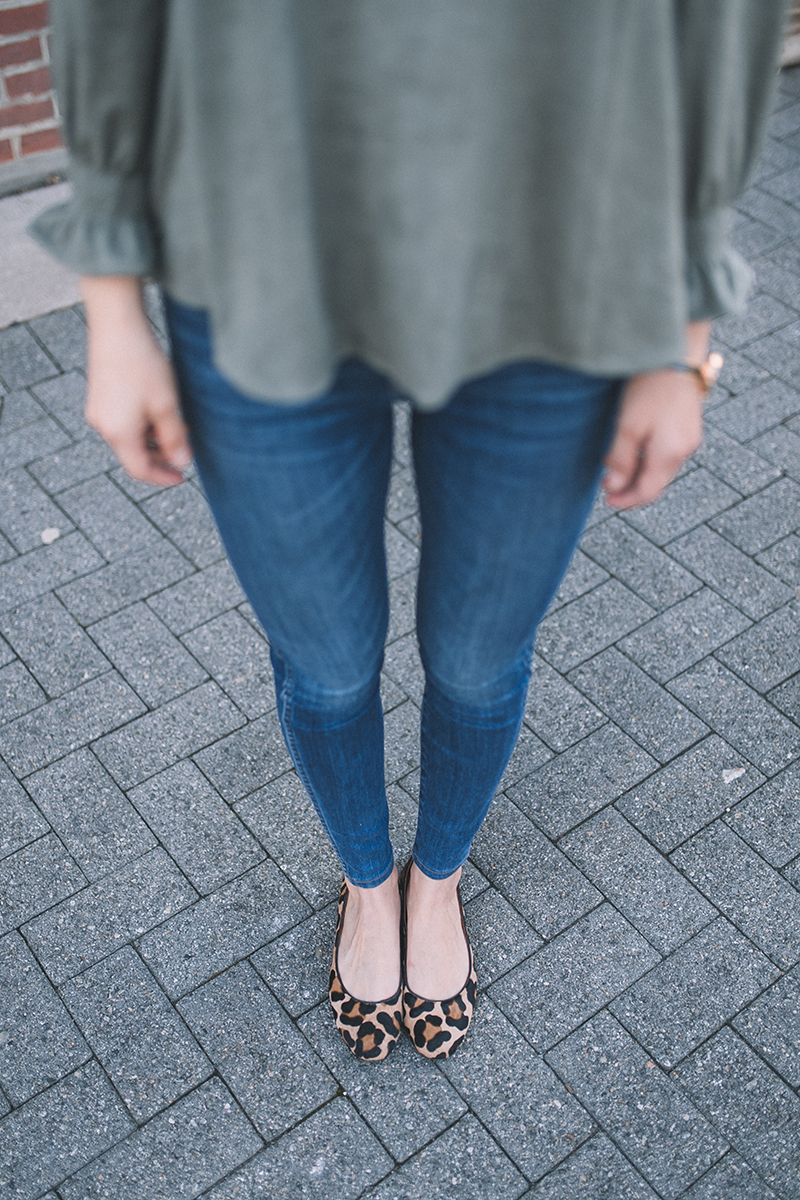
(438, 875)
(371, 883)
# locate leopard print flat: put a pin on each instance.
(437, 1027)
(370, 1030)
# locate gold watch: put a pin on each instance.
(706, 373)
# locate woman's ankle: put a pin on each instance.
(437, 954)
(369, 950)
(427, 890)
(383, 897)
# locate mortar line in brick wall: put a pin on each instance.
(26, 66)
(18, 131)
(15, 133)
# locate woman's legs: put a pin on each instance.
(298, 494)
(506, 472)
(506, 475)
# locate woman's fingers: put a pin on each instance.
(652, 476)
(171, 437)
(167, 440)
(143, 459)
(622, 462)
(139, 417)
(659, 425)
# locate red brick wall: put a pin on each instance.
(28, 107)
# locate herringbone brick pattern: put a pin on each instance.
(167, 897)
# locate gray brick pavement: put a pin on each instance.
(768, 820)
(690, 792)
(266, 1062)
(41, 1043)
(147, 655)
(574, 976)
(730, 573)
(143, 1045)
(651, 573)
(639, 706)
(769, 1024)
(384, 1097)
(691, 994)
(556, 711)
(167, 900)
(626, 869)
(665, 1137)
(750, 893)
(598, 1170)
(186, 1148)
(94, 819)
(737, 713)
(332, 1153)
(282, 817)
(532, 873)
(749, 1105)
(20, 821)
(52, 645)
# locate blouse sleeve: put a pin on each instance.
(728, 62)
(106, 68)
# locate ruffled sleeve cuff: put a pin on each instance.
(717, 277)
(105, 229)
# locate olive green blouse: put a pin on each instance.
(438, 186)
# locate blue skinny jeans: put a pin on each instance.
(506, 474)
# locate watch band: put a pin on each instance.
(706, 373)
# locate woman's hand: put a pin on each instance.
(660, 423)
(132, 400)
